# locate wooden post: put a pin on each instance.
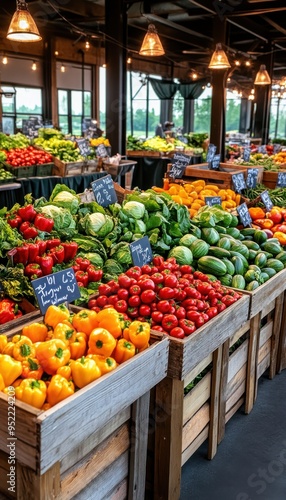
(38, 487)
(223, 387)
(281, 356)
(251, 376)
(276, 334)
(214, 404)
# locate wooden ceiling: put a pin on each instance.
(188, 29)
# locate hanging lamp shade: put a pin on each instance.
(23, 27)
(151, 45)
(262, 76)
(219, 59)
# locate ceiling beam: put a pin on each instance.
(178, 27)
(275, 25)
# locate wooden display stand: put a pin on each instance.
(270, 178)
(182, 424)
(91, 445)
(222, 177)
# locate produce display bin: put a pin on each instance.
(155, 154)
(183, 423)
(281, 358)
(64, 169)
(270, 178)
(253, 349)
(44, 170)
(94, 443)
(19, 172)
(222, 177)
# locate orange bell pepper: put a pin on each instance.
(56, 314)
(64, 332)
(2, 383)
(32, 392)
(3, 342)
(256, 213)
(105, 365)
(110, 320)
(78, 345)
(85, 321)
(139, 333)
(124, 350)
(84, 371)
(65, 371)
(281, 237)
(10, 369)
(52, 354)
(264, 223)
(101, 342)
(31, 368)
(59, 388)
(37, 332)
(8, 348)
(24, 349)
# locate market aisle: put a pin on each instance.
(250, 463)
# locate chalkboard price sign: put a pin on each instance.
(212, 200)
(179, 164)
(56, 289)
(252, 176)
(246, 153)
(281, 179)
(211, 152)
(262, 149)
(141, 252)
(244, 214)
(214, 163)
(104, 192)
(83, 147)
(266, 200)
(238, 182)
(101, 151)
(276, 148)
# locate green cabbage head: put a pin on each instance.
(134, 209)
(183, 255)
(98, 224)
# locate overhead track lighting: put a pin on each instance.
(23, 27)
(262, 76)
(219, 59)
(151, 45)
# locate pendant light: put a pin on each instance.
(151, 45)
(219, 59)
(23, 27)
(262, 76)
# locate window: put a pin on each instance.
(232, 116)
(143, 106)
(23, 104)
(73, 106)
(202, 112)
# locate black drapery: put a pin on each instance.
(192, 90)
(164, 89)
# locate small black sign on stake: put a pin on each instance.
(246, 153)
(252, 176)
(214, 163)
(179, 164)
(56, 289)
(141, 251)
(238, 182)
(212, 200)
(244, 214)
(281, 179)
(211, 152)
(276, 148)
(104, 192)
(83, 147)
(101, 151)
(266, 200)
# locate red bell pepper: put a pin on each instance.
(94, 274)
(58, 254)
(27, 213)
(34, 250)
(83, 263)
(14, 221)
(82, 277)
(55, 242)
(46, 263)
(22, 254)
(8, 311)
(33, 271)
(44, 223)
(70, 248)
(42, 246)
(30, 233)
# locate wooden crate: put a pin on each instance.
(270, 178)
(183, 423)
(222, 177)
(281, 358)
(245, 169)
(64, 169)
(141, 154)
(256, 346)
(91, 445)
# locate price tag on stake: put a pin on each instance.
(179, 164)
(252, 176)
(214, 163)
(211, 152)
(212, 200)
(83, 147)
(141, 252)
(238, 182)
(246, 153)
(101, 151)
(56, 288)
(266, 200)
(104, 192)
(281, 179)
(244, 214)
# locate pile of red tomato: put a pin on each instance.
(174, 298)
(27, 156)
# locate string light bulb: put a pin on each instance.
(87, 45)
(247, 63)
(34, 66)
(22, 26)
(5, 60)
(63, 68)
(129, 60)
(194, 75)
(237, 62)
(151, 45)
(56, 52)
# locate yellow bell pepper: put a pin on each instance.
(56, 314)
(65, 371)
(64, 332)
(31, 368)
(78, 345)
(110, 320)
(3, 342)
(124, 350)
(85, 321)
(139, 333)
(2, 383)
(10, 369)
(37, 332)
(59, 388)
(24, 349)
(32, 392)
(105, 365)
(52, 354)
(84, 371)
(8, 349)
(101, 342)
